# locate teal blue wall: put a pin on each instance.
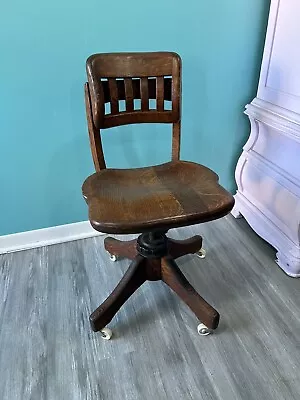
(44, 150)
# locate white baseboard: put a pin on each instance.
(47, 236)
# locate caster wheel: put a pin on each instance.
(203, 330)
(201, 253)
(106, 333)
(113, 257)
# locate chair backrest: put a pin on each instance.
(122, 88)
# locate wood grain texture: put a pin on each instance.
(121, 249)
(47, 351)
(114, 98)
(153, 262)
(94, 134)
(160, 95)
(176, 248)
(144, 94)
(176, 141)
(179, 248)
(143, 65)
(137, 117)
(135, 90)
(175, 279)
(133, 65)
(129, 76)
(129, 97)
(134, 277)
(160, 197)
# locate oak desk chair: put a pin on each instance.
(151, 200)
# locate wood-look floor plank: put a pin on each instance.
(48, 352)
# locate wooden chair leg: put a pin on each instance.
(174, 278)
(134, 277)
(123, 249)
(178, 248)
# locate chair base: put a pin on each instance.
(153, 256)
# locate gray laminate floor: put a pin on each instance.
(47, 350)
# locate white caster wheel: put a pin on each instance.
(201, 253)
(113, 257)
(203, 330)
(106, 333)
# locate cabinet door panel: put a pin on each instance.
(280, 78)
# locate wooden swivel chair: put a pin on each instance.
(151, 200)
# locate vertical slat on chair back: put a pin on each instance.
(129, 97)
(144, 94)
(143, 82)
(160, 97)
(114, 97)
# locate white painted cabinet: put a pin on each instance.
(268, 171)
